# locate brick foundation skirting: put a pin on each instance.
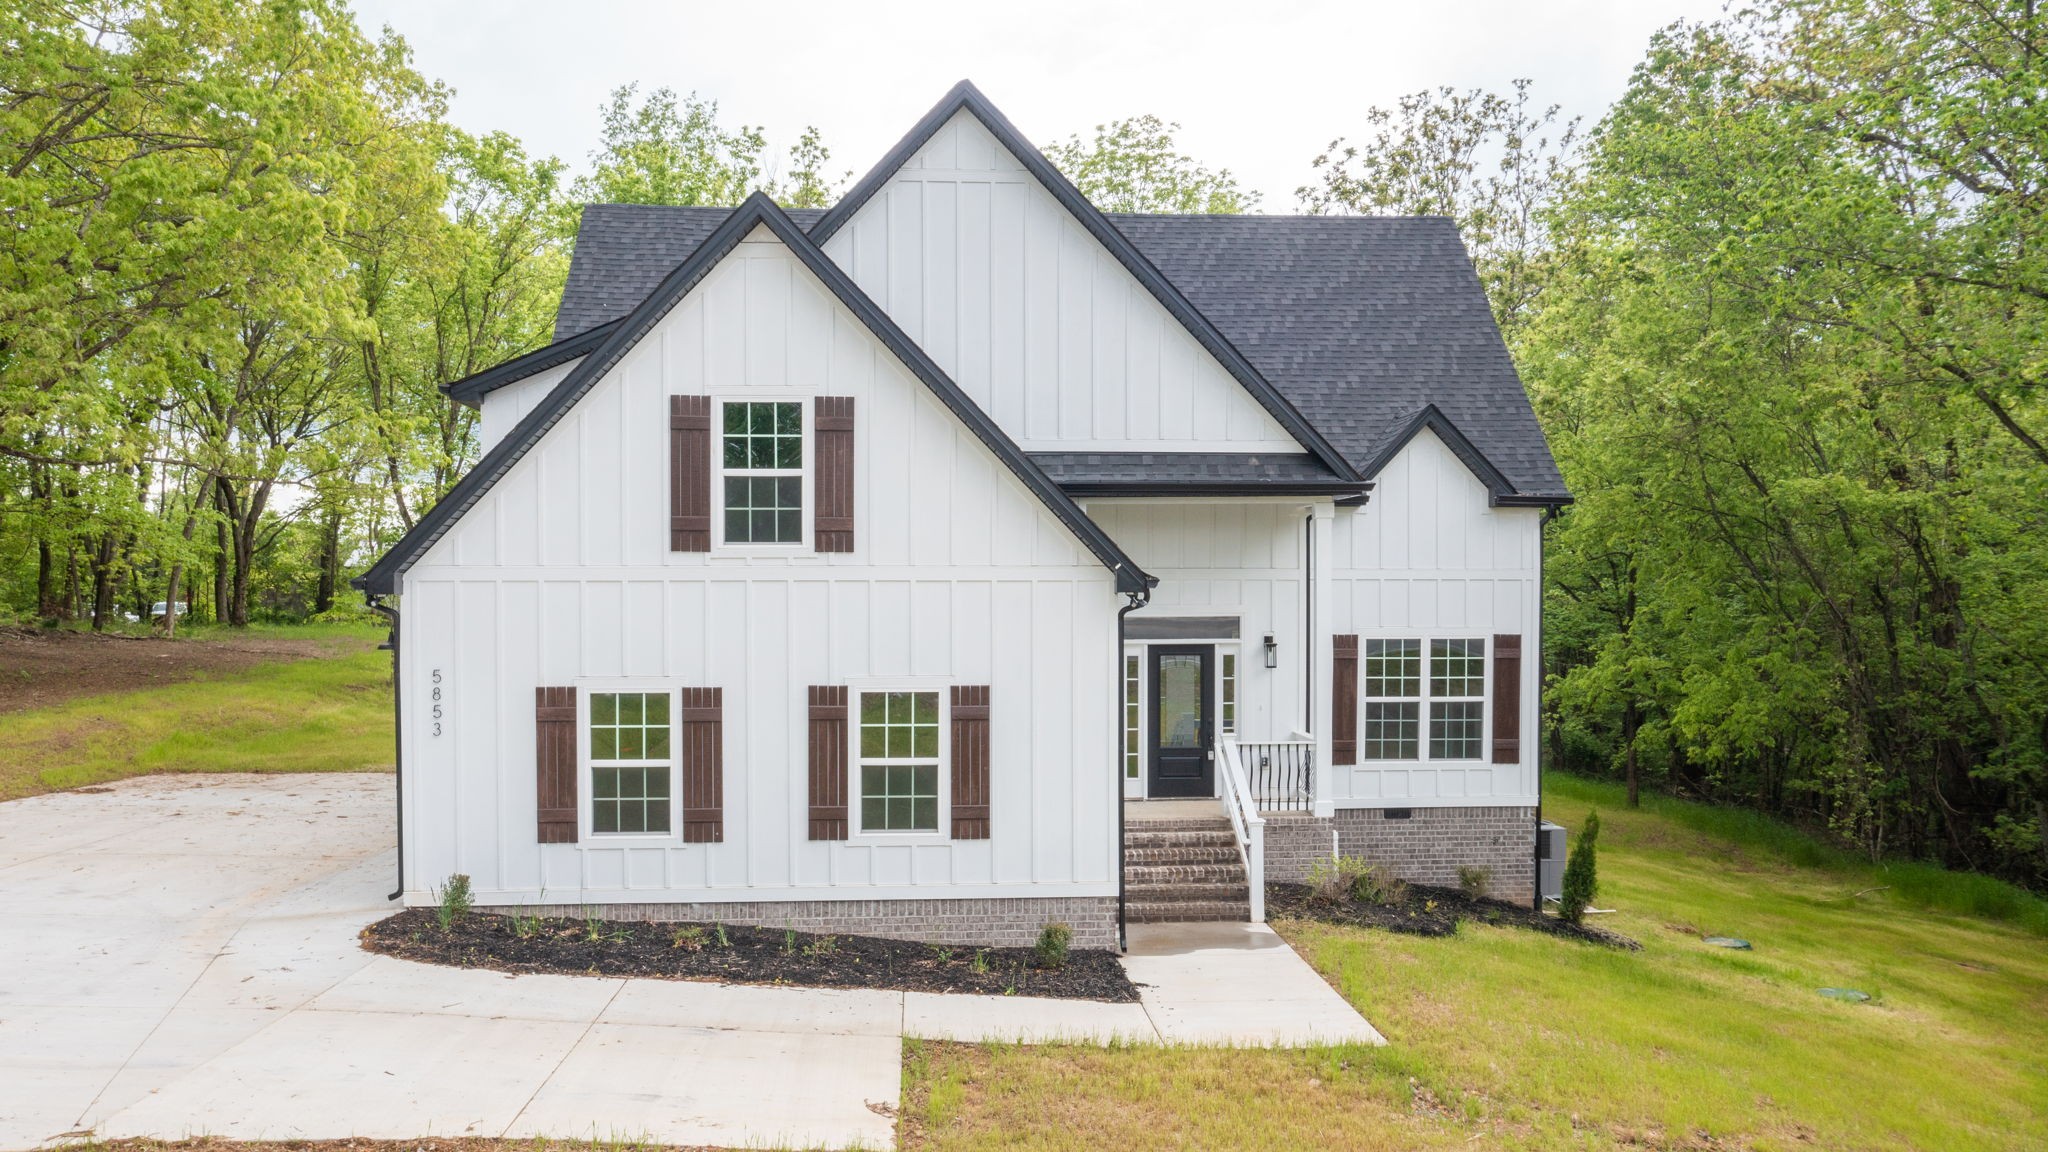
(1427, 848)
(1008, 922)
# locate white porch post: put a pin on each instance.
(1322, 516)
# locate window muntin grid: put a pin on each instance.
(899, 761)
(1393, 683)
(1133, 731)
(1227, 713)
(631, 773)
(1400, 682)
(1457, 707)
(762, 459)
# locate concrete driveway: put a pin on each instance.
(181, 959)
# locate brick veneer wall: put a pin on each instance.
(1428, 847)
(1000, 923)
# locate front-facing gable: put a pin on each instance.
(1043, 312)
(760, 220)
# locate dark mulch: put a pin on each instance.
(1426, 911)
(732, 954)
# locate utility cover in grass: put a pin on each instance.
(1727, 942)
(1849, 994)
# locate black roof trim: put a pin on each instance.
(1193, 474)
(756, 210)
(471, 390)
(966, 95)
(1501, 490)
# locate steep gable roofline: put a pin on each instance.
(1501, 491)
(471, 390)
(757, 211)
(966, 95)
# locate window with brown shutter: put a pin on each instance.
(689, 473)
(555, 764)
(970, 762)
(832, 416)
(703, 765)
(1344, 699)
(828, 762)
(1507, 699)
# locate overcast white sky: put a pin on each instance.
(1258, 88)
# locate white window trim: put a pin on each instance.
(855, 833)
(586, 781)
(808, 427)
(1424, 699)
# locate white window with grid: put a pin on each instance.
(898, 751)
(761, 480)
(1226, 690)
(1457, 699)
(1133, 731)
(632, 765)
(1393, 700)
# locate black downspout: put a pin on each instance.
(377, 605)
(1536, 729)
(1138, 600)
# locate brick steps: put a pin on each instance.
(1184, 870)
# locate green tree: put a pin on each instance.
(1494, 163)
(669, 149)
(1134, 165)
(1581, 882)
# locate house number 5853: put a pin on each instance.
(437, 702)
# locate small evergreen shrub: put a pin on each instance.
(1051, 949)
(454, 901)
(1581, 881)
(1475, 882)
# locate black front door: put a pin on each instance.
(1182, 741)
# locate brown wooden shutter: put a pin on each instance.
(1507, 699)
(1344, 700)
(554, 713)
(828, 762)
(703, 765)
(833, 478)
(689, 473)
(970, 762)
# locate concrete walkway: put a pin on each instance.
(186, 963)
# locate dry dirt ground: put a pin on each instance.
(42, 667)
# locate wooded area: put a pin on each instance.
(1781, 310)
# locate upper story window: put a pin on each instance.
(899, 761)
(762, 466)
(630, 764)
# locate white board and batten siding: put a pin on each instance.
(1428, 559)
(562, 575)
(1034, 319)
(502, 408)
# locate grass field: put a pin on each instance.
(325, 714)
(1500, 1038)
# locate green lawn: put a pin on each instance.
(325, 714)
(1511, 1039)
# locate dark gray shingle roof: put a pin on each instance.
(1359, 321)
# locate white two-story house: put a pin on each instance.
(879, 569)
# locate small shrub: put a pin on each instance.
(1581, 879)
(822, 946)
(1053, 942)
(789, 941)
(690, 938)
(1475, 882)
(454, 901)
(1348, 878)
(525, 925)
(943, 954)
(979, 965)
(718, 929)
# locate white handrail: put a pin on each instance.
(1246, 822)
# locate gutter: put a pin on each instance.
(377, 605)
(1123, 929)
(1536, 729)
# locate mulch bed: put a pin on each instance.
(733, 954)
(1426, 911)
